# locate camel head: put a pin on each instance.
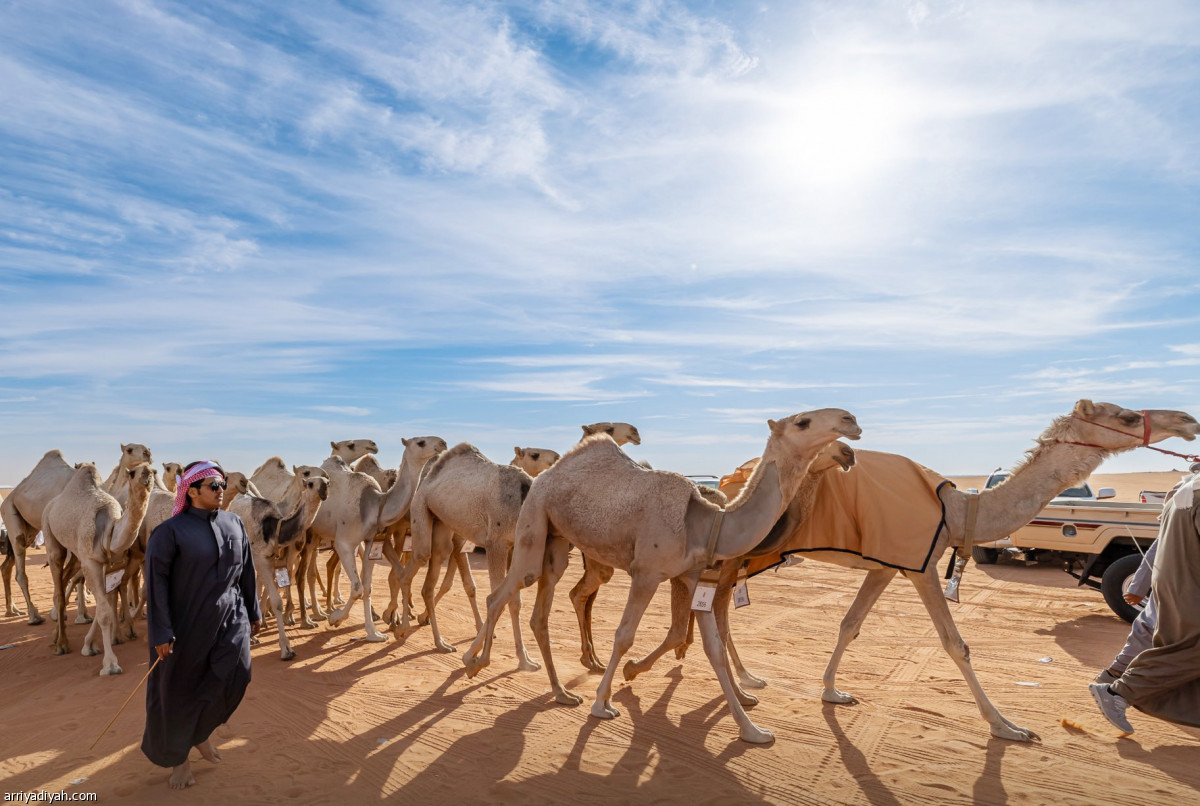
(836, 454)
(1113, 428)
(353, 449)
(309, 472)
(320, 485)
(534, 460)
(813, 429)
(170, 471)
(134, 454)
(419, 450)
(141, 475)
(236, 484)
(621, 433)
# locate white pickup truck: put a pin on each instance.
(1102, 542)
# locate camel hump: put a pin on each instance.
(274, 463)
(462, 449)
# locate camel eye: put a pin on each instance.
(802, 424)
(421, 444)
(535, 456)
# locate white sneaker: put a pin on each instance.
(1105, 677)
(1111, 705)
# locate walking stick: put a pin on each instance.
(127, 699)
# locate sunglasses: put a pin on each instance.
(214, 486)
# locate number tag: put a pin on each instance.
(282, 578)
(741, 593)
(702, 599)
(408, 543)
(39, 541)
(111, 581)
(376, 551)
(468, 546)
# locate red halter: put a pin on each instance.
(1145, 438)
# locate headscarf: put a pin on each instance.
(201, 470)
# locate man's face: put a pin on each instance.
(209, 493)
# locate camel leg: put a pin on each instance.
(554, 563)
(868, 593)
(304, 566)
(715, 650)
(105, 615)
(459, 558)
(347, 549)
(23, 579)
(448, 580)
(497, 558)
(442, 543)
(333, 582)
(6, 568)
(389, 553)
(57, 556)
(744, 678)
(530, 551)
(81, 613)
(681, 609)
(641, 591)
(928, 587)
(264, 573)
(583, 595)
(681, 650)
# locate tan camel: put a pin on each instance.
(356, 510)
(622, 433)
(1066, 453)
(837, 455)
(87, 522)
(131, 454)
(273, 479)
(656, 526)
(171, 472)
(534, 460)
(351, 450)
(238, 484)
(465, 494)
(271, 533)
(22, 512)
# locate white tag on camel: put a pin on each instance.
(111, 581)
(282, 578)
(376, 552)
(741, 593)
(39, 541)
(702, 599)
(468, 546)
(408, 543)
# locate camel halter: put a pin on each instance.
(713, 534)
(1145, 437)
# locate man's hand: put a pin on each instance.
(1134, 599)
(163, 650)
(255, 626)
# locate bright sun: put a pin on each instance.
(839, 135)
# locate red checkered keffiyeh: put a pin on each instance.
(203, 470)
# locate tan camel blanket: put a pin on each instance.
(886, 508)
(1164, 680)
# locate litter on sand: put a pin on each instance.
(1045, 660)
(78, 781)
(8, 646)
(1027, 683)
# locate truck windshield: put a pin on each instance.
(1075, 492)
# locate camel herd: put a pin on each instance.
(656, 526)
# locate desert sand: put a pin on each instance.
(354, 722)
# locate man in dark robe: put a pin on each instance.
(1164, 680)
(202, 608)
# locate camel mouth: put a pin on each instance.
(848, 434)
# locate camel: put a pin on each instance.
(357, 509)
(621, 433)
(656, 526)
(534, 460)
(171, 472)
(237, 484)
(131, 454)
(273, 479)
(1066, 453)
(464, 495)
(351, 450)
(87, 522)
(838, 455)
(271, 534)
(22, 514)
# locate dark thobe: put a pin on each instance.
(200, 593)
(1164, 680)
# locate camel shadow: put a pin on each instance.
(855, 762)
(1078, 637)
(1175, 760)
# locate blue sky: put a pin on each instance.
(244, 229)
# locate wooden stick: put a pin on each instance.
(127, 699)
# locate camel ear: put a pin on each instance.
(518, 453)
(333, 445)
(405, 442)
(586, 431)
(1085, 408)
(773, 425)
(295, 470)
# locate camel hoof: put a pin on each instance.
(747, 700)
(254, 640)
(564, 697)
(109, 671)
(750, 681)
(474, 665)
(289, 621)
(837, 697)
(308, 623)
(756, 735)
(61, 650)
(12, 611)
(82, 619)
(423, 619)
(1014, 733)
(603, 711)
(374, 615)
(527, 665)
(35, 619)
(336, 618)
(681, 652)
(88, 651)
(630, 670)
(287, 654)
(444, 647)
(377, 638)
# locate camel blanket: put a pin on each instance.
(1164, 680)
(886, 508)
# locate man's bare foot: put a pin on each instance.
(209, 751)
(181, 776)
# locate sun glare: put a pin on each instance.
(841, 135)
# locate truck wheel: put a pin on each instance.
(1115, 582)
(984, 556)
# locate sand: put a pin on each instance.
(356, 722)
